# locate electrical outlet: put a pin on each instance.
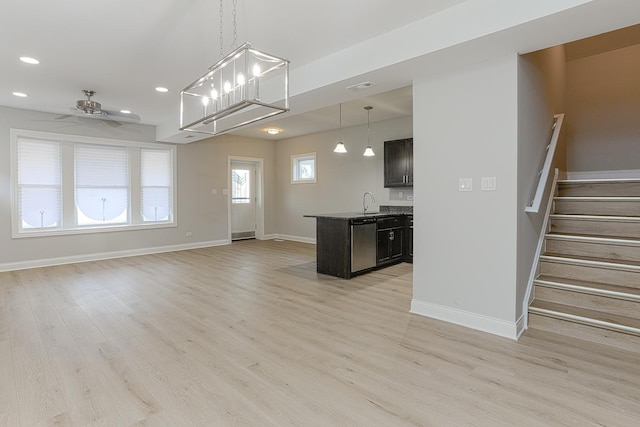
(187, 234)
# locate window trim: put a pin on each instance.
(72, 228)
(295, 160)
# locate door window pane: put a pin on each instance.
(240, 186)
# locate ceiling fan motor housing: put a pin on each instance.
(87, 105)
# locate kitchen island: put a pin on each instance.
(352, 243)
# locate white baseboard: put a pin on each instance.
(294, 238)
(468, 319)
(22, 265)
(618, 174)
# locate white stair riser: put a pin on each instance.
(598, 207)
(593, 249)
(630, 279)
(601, 303)
(590, 333)
(608, 189)
(595, 227)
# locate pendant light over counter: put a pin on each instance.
(340, 148)
(368, 152)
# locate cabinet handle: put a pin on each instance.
(391, 235)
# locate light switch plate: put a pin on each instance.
(488, 183)
(465, 184)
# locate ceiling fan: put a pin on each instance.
(93, 108)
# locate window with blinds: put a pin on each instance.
(73, 184)
(102, 184)
(39, 182)
(156, 181)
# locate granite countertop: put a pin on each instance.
(350, 215)
(384, 211)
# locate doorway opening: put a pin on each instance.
(245, 203)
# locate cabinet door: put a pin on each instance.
(383, 246)
(395, 163)
(409, 151)
(396, 242)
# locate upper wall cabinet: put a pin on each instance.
(398, 163)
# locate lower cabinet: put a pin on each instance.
(390, 240)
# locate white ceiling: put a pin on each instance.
(123, 49)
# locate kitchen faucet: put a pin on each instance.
(364, 197)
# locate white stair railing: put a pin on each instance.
(545, 172)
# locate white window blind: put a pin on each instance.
(157, 181)
(102, 184)
(39, 183)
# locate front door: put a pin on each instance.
(243, 200)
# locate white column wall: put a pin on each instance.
(465, 126)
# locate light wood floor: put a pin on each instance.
(249, 334)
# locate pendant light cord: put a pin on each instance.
(340, 131)
(368, 128)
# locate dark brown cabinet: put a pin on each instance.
(349, 245)
(398, 163)
(390, 240)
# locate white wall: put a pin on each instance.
(201, 167)
(603, 99)
(541, 91)
(465, 125)
(342, 179)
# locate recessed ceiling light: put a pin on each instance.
(125, 111)
(20, 94)
(162, 89)
(29, 60)
(273, 131)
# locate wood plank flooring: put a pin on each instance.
(250, 335)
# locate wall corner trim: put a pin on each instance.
(468, 319)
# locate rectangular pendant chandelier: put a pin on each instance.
(245, 86)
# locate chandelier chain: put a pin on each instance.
(234, 45)
(221, 32)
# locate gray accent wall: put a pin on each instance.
(603, 100)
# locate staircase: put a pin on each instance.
(588, 285)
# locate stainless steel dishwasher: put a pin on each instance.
(363, 244)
